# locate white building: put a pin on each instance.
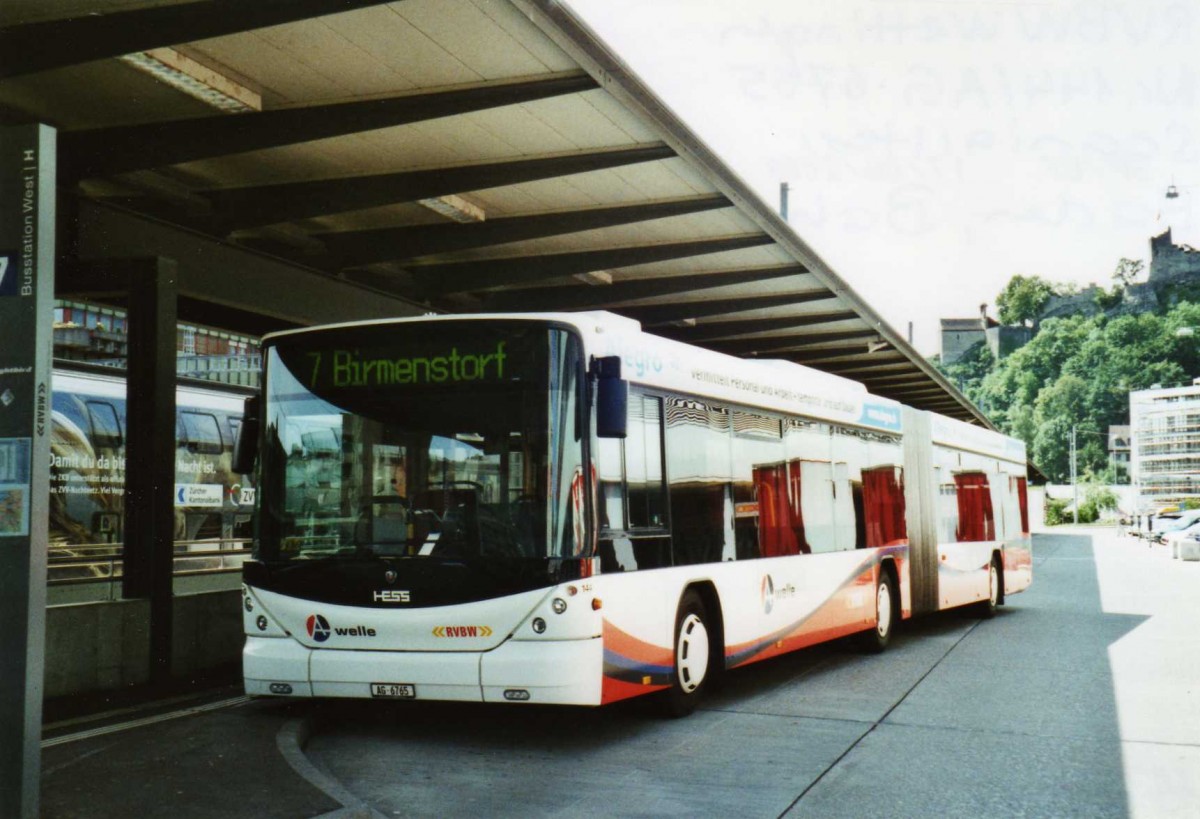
(1165, 445)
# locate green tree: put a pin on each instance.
(1127, 271)
(969, 371)
(1023, 299)
(1058, 408)
(1079, 371)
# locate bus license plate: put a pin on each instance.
(395, 691)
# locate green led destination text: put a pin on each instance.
(351, 369)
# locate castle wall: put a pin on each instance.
(1170, 263)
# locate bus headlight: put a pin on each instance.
(559, 605)
(539, 625)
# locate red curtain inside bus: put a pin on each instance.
(883, 506)
(975, 519)
(780, 521)
(1023, 501)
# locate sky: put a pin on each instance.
(936, 148)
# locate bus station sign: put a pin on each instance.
(27, 174)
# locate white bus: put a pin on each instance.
(560, 508)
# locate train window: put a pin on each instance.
(201, 433)
(106, 429)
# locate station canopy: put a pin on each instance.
(317, 160)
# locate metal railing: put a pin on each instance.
(93, 573)
(243, 370)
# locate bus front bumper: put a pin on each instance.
(562, 672)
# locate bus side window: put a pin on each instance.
(762, 516)
(610, 470)
(883, 493)
(849, 458)
(106, 429)
(701, 487)
(644, 463)
(976, 521)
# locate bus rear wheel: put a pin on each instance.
(876, 639)
(692, 655)
(987, 609)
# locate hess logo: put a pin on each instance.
(391, 596)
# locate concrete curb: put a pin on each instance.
(291, 741)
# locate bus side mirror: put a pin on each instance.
(245, 448)
(612, 397)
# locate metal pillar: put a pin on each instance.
(1074, 482)
(150, 287)
(150, 451)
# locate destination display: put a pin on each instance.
(351, 368)
(392, 358)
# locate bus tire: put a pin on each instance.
(692, 656)
(876, 639)
(987, 609)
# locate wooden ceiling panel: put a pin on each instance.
(458, 27)
(611, 109)
(754, 257)
(672, 229)
(521, 131)
(578, 119)
(391, 39)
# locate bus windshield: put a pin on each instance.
(439, 440)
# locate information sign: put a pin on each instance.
(27, 172)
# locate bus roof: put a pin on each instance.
(961, 435)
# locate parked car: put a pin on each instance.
(1174, 537)
(1187, 548)
(1165, 525)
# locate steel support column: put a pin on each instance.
(149, 287)
(150, 451)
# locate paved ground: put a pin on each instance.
(1082, 698)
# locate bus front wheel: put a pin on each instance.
(692, 653)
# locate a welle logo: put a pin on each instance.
(319, 629)
(349, 368)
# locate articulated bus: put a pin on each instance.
(561, 508)
(213, 505)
